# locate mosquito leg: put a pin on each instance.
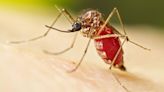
(86, 49)
(119, 82)
(116, 36)
(115, 11)
(66, 14)
(71, 20)
(65, 50)
(113, 61)
(39, 37)
(122, 25)
(63, 11)
(107, 20)
(120, 20)
(139, 45)
(117, 53)
(122, 36)
(108, 36)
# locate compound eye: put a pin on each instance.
(76, 26)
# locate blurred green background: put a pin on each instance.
(134, 12)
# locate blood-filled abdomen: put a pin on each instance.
(108, 47)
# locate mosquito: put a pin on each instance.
(106, 38)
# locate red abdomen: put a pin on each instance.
(108, 47)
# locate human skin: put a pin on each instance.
(25, 68)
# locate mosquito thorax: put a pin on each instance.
(91, 22)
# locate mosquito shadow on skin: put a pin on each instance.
(136, 82)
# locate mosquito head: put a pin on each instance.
(76, 27)
(90, 22)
